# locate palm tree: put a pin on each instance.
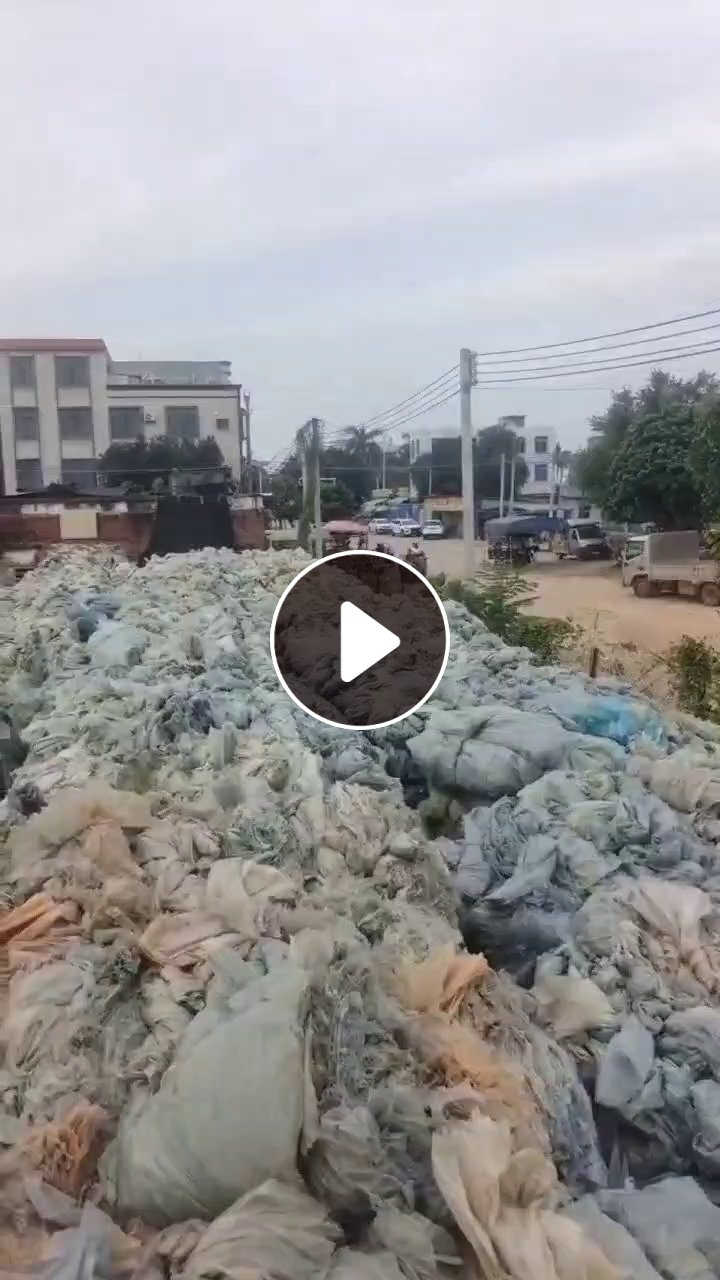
(561, 461)
(361, 442)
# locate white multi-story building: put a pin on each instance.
(537, 446)
(62, 403)
(421, 439)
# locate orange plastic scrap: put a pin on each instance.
(35, 918)
(24, 952)
(31, 930)
(440, 982)
(435, 989)
(66, 1153)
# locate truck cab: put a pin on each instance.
(584, 540)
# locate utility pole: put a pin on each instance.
(248, 448)
(301, 440)
(502, 485)
(511, 503)
(317, 506)
(468, 488)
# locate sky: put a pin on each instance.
(338, 195)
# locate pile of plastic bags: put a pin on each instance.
(282, 1001)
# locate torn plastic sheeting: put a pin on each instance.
(275, 1232)
(346, 1164)
(501, 1202)
(674, 1222)
(608, 716)
(492, 751)
(615, 1241)
(571, 1004)
(625, 1065)
(687, 787)
(706, 1140)
(200, 723)
(116, 644)
(693, 1036)
(89, 1245)
(228, 1114)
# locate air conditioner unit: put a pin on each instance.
(149, 417)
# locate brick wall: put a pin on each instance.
(248, 530)
(18, 531)
(127, 529)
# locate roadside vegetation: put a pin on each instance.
(498, 595)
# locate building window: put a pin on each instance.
(76, 423)
(541, 471)
(222, 424)
(72, 371)
(28, 474)
(127, 422)
(519, 444)
(182, 422)
(82, 472)
(22, 371)
(26, 423)
(541, 444)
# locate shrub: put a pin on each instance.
(695, 666)
(497, 595)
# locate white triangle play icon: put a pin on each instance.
(363, 642)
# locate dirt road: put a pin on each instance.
(591, 594)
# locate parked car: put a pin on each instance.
(406, 529)
(380, 525)
(433, 529)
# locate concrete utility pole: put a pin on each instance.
(502, 485)
(511, 503)
(304, 520)
(317, 506)
(468, 487)
(248, 448)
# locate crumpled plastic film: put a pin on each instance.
(235, 996)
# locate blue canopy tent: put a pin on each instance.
(523, 527)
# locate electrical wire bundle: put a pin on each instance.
(511, 366)
(551, 360)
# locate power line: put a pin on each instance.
(565, 370)
(368, 422)
(616, 346)
(419, 406)
(596, 337)
(426, 409)
(694, 349)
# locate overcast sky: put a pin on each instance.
(338, 194)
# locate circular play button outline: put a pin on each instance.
(380, 724)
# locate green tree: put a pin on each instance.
(705, 456)
(663, 393)
(285, 498)
(651, 476)
(337, 501)
(439, 472)
(141, 463)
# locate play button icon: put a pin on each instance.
(363, 642)
(359, 639)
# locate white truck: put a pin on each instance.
(583, 540)
(670, 564)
